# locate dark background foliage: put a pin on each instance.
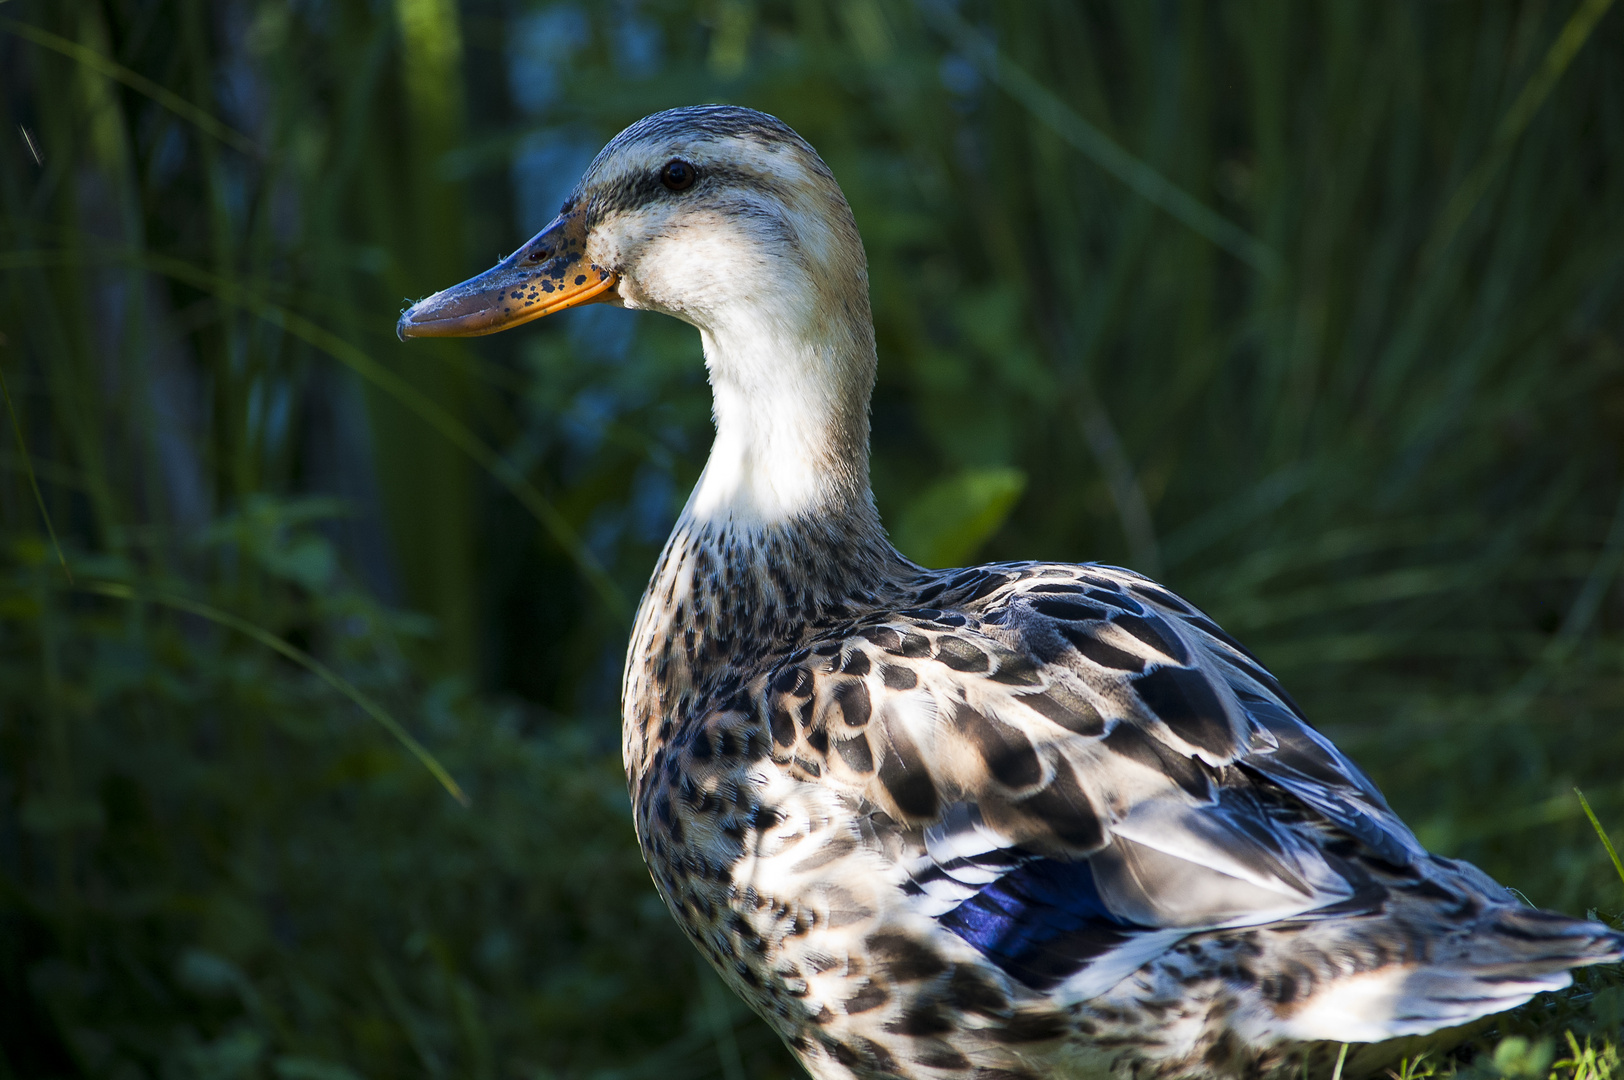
(1312, 310)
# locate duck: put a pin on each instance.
(1006, 822)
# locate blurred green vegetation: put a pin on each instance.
(1312, 310)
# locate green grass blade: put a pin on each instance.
(460, 436)
(1606, 841)
(33, 481)
(358, 361)
(1562, 51)
(457, 433)
(1534, 92)
(292, 652)
(95, 61)
(1144, 180)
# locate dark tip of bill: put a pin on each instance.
(400, 324)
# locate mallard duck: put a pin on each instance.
(1016, 820)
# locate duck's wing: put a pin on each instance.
(1088, 769)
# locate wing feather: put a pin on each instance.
(1084, 769)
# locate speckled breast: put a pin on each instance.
(755, 866)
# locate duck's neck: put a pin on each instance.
(783, 511)
(779, 538)
(790, 384)
(780, 533)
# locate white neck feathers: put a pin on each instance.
(791, 413)
(791, 366)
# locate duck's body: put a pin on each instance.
(897, 818)
(1019, 820)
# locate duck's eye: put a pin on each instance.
(678, 175)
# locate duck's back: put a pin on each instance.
(1045, 819)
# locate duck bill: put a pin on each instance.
(548, 274)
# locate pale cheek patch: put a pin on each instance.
(705, 268)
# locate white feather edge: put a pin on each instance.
(1394, 1002)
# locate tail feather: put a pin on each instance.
(1518, 940)
(1511, 955)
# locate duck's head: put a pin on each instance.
(725, 218)
(691, 212)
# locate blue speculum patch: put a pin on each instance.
(1041, 922)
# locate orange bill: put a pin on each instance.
(548, 274)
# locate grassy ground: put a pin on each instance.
(1314, 311)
